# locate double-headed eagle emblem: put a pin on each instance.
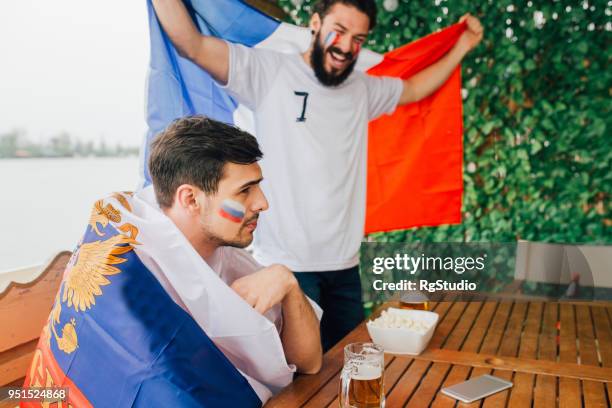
(89, 268)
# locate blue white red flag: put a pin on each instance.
(415, 160)
(141, 320)
(176, 87)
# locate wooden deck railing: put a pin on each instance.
(24, 309)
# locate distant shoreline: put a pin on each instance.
(15, 145)
(75, 156)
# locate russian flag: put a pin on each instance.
(415, 155)
(116, 338)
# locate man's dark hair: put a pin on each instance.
(368, 7)
(193, 150)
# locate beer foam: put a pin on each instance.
(398, 321)
(366, 372)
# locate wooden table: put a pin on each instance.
(556, 354)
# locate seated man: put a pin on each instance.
(160, 306)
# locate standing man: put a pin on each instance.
(311, 116)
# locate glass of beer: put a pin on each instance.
(414, 299)
(361, 378)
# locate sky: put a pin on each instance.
(74, 66)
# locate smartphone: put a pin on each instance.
(476, 388)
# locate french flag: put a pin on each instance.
(414, 156)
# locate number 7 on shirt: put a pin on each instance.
(302, 117)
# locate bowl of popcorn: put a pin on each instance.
(403, 331)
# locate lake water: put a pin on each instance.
(45, 203)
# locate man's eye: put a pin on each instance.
(245, 191)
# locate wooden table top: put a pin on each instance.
(555, 354)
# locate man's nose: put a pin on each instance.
(345, 43)
(260, 203)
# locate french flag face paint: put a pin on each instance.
(331, 38)
(232, 210)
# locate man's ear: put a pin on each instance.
(315, 23)
(186, 197)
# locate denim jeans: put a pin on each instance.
(338, 293)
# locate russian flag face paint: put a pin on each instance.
(232, 210)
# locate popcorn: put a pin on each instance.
(397, 321)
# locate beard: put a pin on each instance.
(237, 241)
(317, 57)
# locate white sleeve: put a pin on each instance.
(383, 94)
(251, 72)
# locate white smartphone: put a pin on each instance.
(476, 388)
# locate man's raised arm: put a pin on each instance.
(210, 53)
(427, 81)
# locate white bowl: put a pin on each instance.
(402, 340)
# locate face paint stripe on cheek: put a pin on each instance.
(232, 210)
(331, 38)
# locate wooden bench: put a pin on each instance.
(24, 309)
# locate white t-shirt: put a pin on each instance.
(314, 140)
